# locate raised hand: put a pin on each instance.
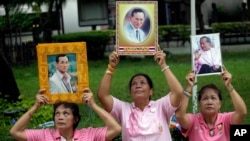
(190, 77)
(88, 97)
(226, 77)
(41, 98)
(160, 58)
(114, 59)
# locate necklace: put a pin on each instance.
(211, 132)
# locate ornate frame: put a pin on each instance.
(148, 46)
(77, 49)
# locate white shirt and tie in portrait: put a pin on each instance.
(60, 83)
(135, 35)
(136, 25)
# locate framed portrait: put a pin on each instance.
(63, 70)
(136, 27)
(206, 54)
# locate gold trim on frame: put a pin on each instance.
(124, 46)
(44, 50)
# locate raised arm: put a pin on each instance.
(173, 83)
(18, 130)
(113, 127)
(181, 112)
(104, 88)
(239, 104)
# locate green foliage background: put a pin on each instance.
(27, 79)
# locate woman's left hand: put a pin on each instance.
(160, 58)
(88, 96)
(226, 77)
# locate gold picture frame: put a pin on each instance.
(136, 38)
(78, 69)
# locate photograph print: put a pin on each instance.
(137, 27)
(206, 54)
(62, 73)
(63, 70)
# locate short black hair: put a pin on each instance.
(136, 10)
(149, 80)
(211, 86)
(74, 108)
(61, 55)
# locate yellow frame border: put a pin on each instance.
(78, 48)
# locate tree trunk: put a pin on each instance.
(47, 35)
(8, 86)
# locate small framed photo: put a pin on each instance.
(136, 27)
(206, 54)
(63, 70)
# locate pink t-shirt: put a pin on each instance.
(151, 124)
(85, 134)
(199, 131)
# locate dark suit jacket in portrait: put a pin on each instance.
(57, 85)
(130, 33)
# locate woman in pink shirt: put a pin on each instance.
(143, 119)
(210, 124)
(66, 117)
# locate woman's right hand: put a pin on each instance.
(160, 57)
(41, 98)
(114, 59)
(190, 78)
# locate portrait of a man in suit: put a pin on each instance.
(60, 81)
(63, 70)
(135, 27)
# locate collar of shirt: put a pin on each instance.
(61, 75)
(148, 106)
(217, 124)
(61, 138)
(134, 29)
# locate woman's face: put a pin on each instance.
(64, 118)
(140, 88)
(210, 103)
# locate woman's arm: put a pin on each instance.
(181, 112)
(104, 88)
(113, 127)
(173, 83)
(18, 130)
(239, 104)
